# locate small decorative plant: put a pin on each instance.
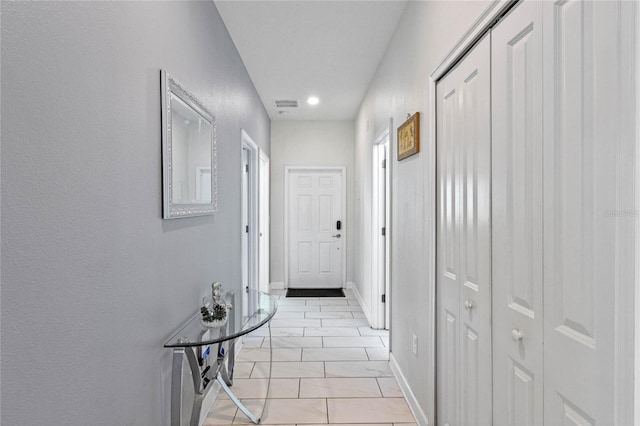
(219, 312)
(214, 313)
(207, 315)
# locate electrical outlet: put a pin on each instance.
(415, 345)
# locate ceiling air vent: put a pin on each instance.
(284, 103)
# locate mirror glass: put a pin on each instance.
(189, 153)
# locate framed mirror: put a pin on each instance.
(188, 153)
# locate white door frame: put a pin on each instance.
(293, 169)
(635, 15)
(381, 248)
(264, 222)
(252, 149)
(637, 230)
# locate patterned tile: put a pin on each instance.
(339, 388)
(352, 342)
(331, 331)
(334, 354)
(286, 411)
(288, 370)
(389, 387)
(362, 410)
(357, 369)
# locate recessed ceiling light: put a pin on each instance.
(312, 100)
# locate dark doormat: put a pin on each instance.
(315, 292)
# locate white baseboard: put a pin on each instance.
(276, 285)
(411, 399)
(358, 296)
(360, 300)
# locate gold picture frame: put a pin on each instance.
(409, 137)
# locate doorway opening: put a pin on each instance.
(380, 220)
(249, 225)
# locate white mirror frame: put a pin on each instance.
(172, 210)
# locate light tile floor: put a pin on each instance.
(329, 367)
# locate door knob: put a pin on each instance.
(516, 335)
(468, 305)
(337, 236)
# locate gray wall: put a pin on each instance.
(308, 143)
(93, 280)
(426, 33)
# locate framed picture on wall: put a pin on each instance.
(409, 137)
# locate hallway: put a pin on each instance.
(329, 367)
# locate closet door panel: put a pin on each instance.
(517, 217)
(463, 241)
(584, 253)
(475, 235)
(448, 260)
(571, 342)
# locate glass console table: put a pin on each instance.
(211, 355)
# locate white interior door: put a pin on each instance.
(516, 49)
(463, 281)
(315, 239)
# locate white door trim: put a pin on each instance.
(635, 16)
(252, 148)
(637, 195)
(380, 283)
(293, 169)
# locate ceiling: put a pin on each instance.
(296, 49)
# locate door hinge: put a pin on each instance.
(384, 231)
(384, 163)
(246, 168)
(246, 229)
(384, 298)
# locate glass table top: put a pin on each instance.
(262, 307)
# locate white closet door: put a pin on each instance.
(516, 61)
(586, 187)
(463, 241)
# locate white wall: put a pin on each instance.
(308, 143)
(426, 33)
(93, 279)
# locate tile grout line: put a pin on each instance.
(326, 401)
(379, 387)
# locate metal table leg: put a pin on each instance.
(223, 382)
